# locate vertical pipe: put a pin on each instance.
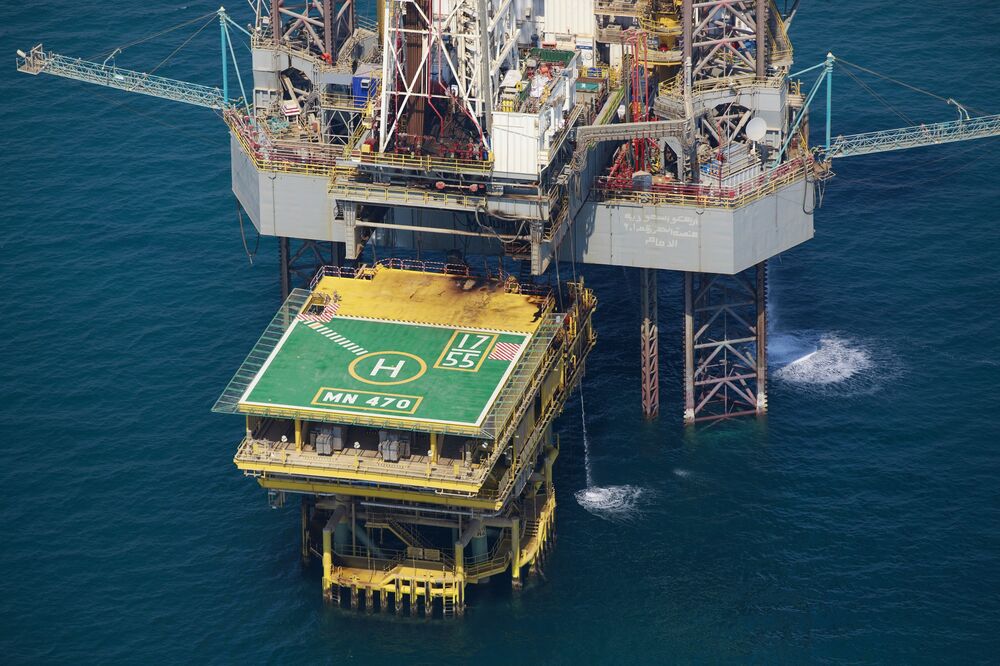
(687, 19)
(327, 564)
(380, 17)
(687, 27)
(762, 337)
(829, 97)
(286, 287)
(276, 21)
(434, 448)
(688, 348)
(298, 435)
(761, 19)
(305, 529)
(225, 56)
(515, 552)
(459, 559)
(328, 27)
(486, 78)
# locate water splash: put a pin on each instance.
(612, 502)
(608, 502)
(828, 361)
(834, 360)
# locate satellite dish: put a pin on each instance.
(756, 128)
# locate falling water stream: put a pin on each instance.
(608, 502)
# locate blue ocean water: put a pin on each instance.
(858, 523)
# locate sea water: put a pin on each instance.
(857, 523)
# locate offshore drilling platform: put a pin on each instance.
(410, 404)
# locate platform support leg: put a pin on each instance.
(301, 258)
(725, 344)
(761, 338)
(688, 348)
(305, 530)
(650, 345)
(327, 564)
(286, 274)
(515, 552)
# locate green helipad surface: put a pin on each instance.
(393, 369)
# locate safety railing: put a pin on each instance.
(704, 196)
(459, 270)
(266, 155)
(264, 40)
(674, 87)
(447, 475)
(495, 561)
(514, 479)
(425, 163)
(352, 103)
(654, 26)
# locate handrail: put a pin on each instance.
(268, 156)
(706, 196)
(426, 162)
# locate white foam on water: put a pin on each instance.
(835, 360)
(611, 502)
(683, 473)
(608, 502)
(827, 361)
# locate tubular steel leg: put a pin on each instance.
(305, 530)
(688, 348)
(725, 344)
(762, 337)
(650, 344)
(286, 278)
(761, 58)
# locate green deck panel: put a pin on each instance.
(394, 369)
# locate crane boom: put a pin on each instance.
(37, 61)
(914, 137)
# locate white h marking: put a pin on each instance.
(381, 365)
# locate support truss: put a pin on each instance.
(725, 344)
(650, 345)
(725, 38)
(452, 53)
(319, 26)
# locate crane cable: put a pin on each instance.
(185, 43)
(906, 85)
(121, 48)
(884, 101)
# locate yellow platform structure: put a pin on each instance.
(410, 407)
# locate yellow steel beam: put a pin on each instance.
(358, 475)
(331, 488)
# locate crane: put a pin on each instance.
(39, 61)
(965, 128)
